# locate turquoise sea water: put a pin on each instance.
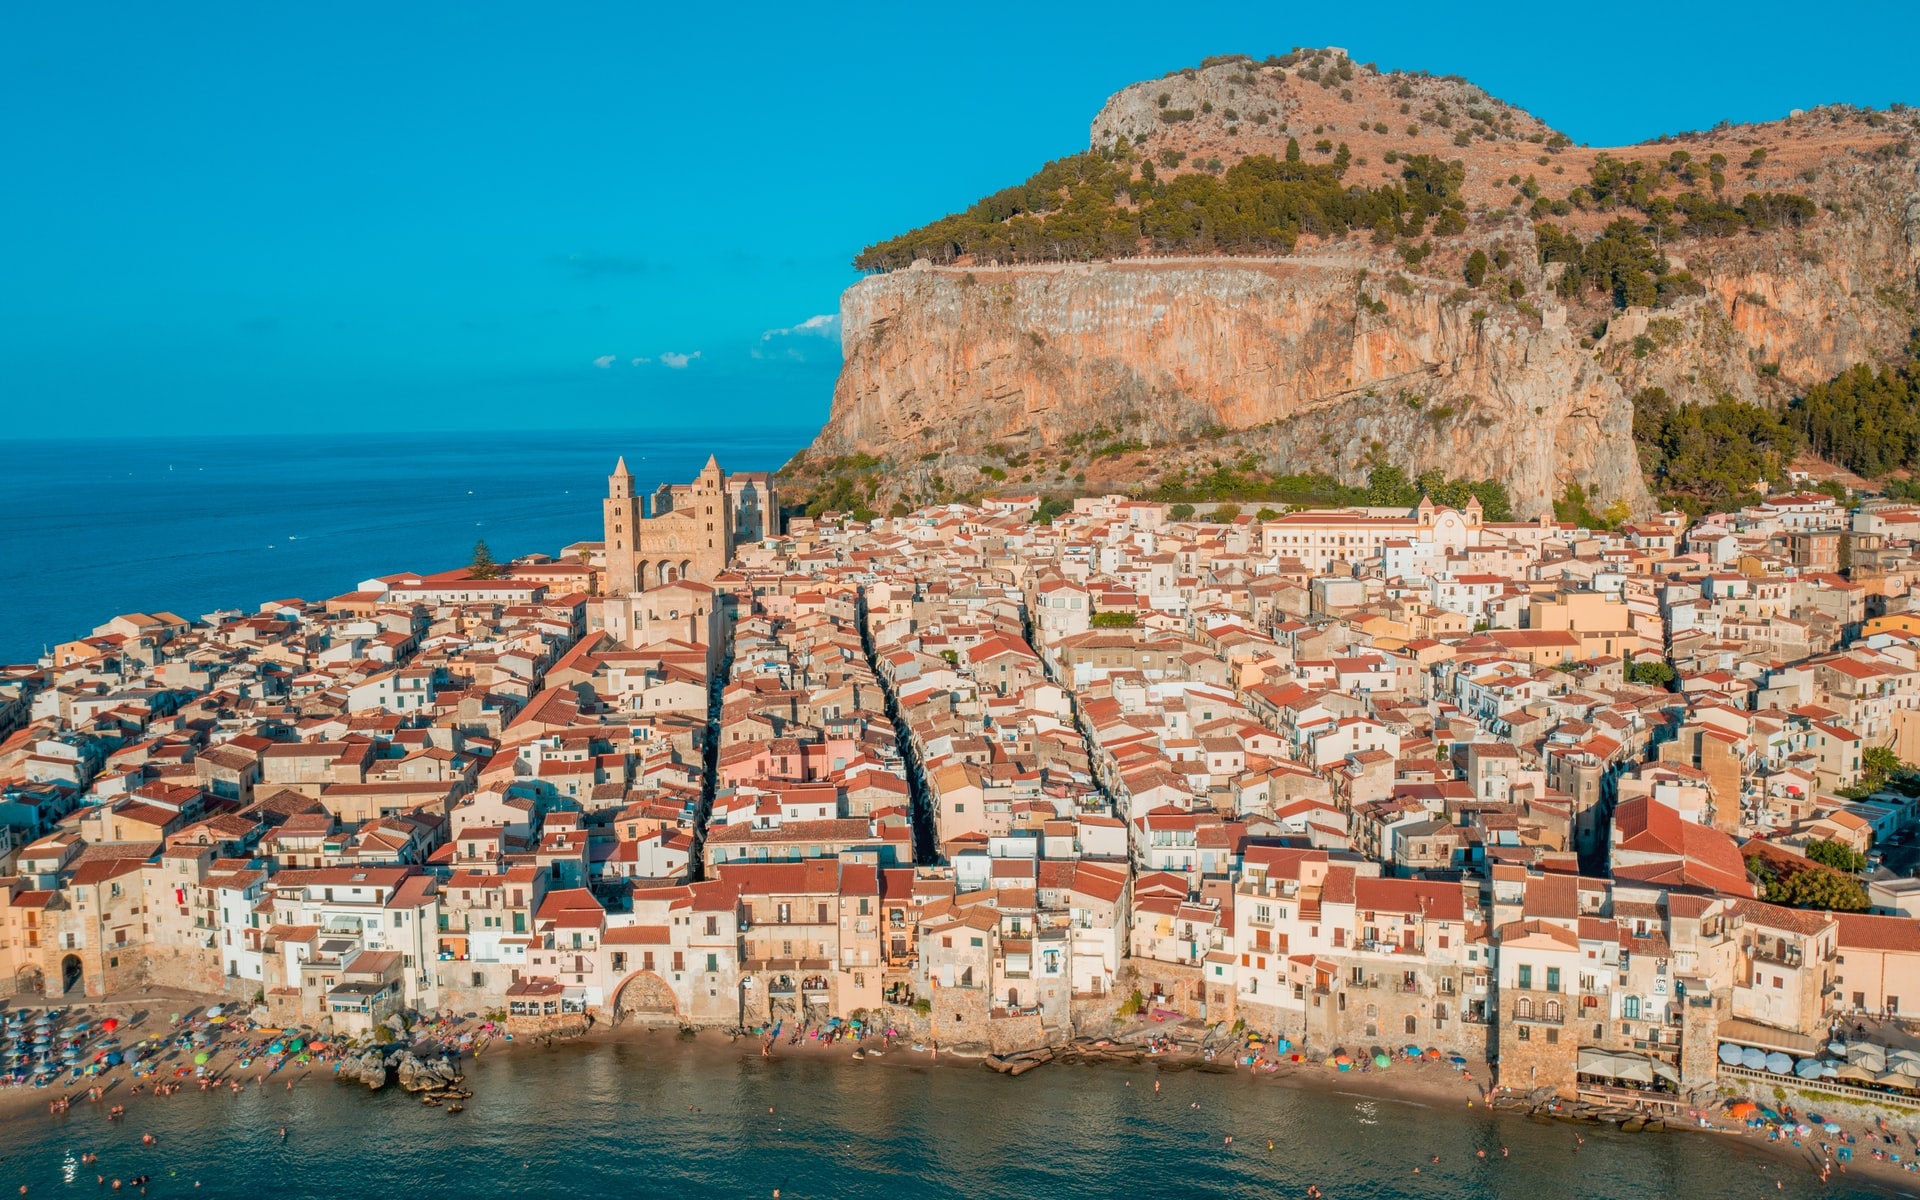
(94, 528)
(654, 1118)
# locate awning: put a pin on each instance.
(1617, 1064)
(1766, 1037)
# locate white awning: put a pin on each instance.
(1617, 1064)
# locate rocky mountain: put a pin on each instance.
(1772, 257)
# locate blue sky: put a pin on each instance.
(254, 218)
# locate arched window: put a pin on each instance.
(1523, 1007)
(1553, 1010)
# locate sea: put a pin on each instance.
(96, 527)
(660, 1118)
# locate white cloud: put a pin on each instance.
(677, 361)
(605, 361)
(642, 359)
(825, 325)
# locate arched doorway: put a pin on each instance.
(72, 977)
(646, 996)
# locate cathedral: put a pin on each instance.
(660, 556)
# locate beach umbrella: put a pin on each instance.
(1780, 1064)
(1342, 1058)
(1741, 1110)
(1457, 1061)
(1807, 1068)
(216, 1010)
(1412, 1052)
(110, 1024)
(1753, 1058)
(1837, 1049)
(200, 1059)
(1433, 1052)
(1730, 1054)
(1868, 1053)
(1381, 1060)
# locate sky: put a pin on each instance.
(262, 218)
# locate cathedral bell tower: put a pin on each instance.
(621, 517)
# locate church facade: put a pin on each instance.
(661, 555)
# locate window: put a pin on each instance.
(1630, 1008)
(1525, 979)
(713, 962)
(1553, 979)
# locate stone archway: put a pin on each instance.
(646, 996)
(72, 975)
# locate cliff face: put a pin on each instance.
(947, 361)
(1339, 356)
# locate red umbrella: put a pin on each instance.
(110, 1024)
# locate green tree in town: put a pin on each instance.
(1181, 512)
(1838, 855)
(483, 566)
(1878, 766)
(1814, 886)
(1651, 671)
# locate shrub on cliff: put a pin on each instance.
(1621, 261)
(1707, 457)
(1866, 420)
(1092, 206)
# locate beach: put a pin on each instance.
(1188, 1093)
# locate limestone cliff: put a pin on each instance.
(1339, 355)
(950, 360)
